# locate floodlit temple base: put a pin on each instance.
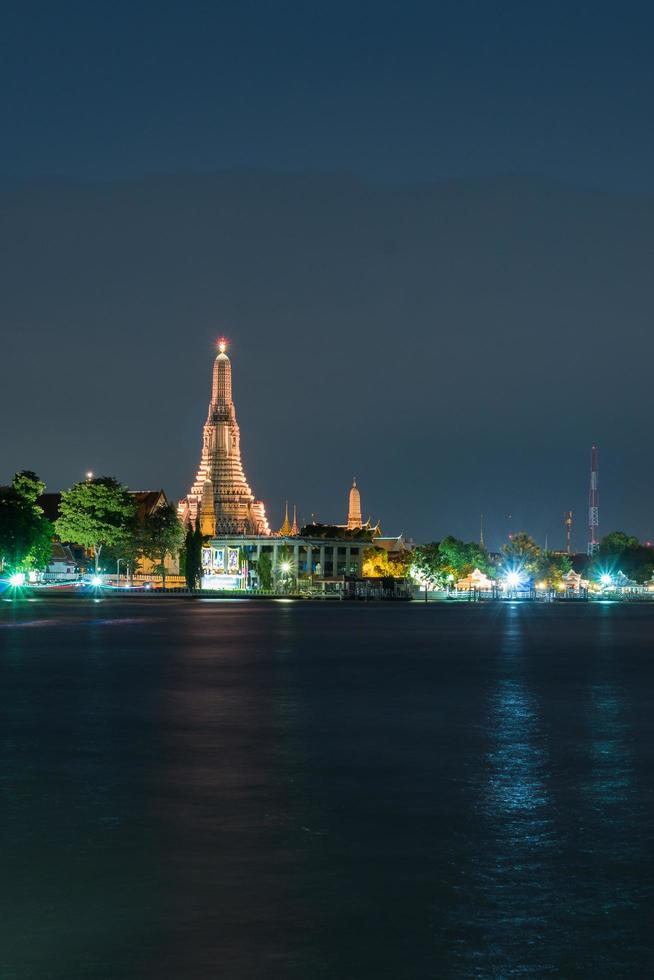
(223, 583)
(307, 558)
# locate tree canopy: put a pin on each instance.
(523, 551)
(377, 563)
(192, 555)
(264, 570)
(95, 513)
(620, 552)
(25, 533)
(334, 531)
(451, 558)
(160, 535)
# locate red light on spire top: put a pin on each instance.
(222, 344)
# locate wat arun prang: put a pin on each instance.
(221, 496)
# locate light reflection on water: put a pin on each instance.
(511, 900)
(610, 841)
(284, 791)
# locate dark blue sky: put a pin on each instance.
(392, 91)
(428, 229)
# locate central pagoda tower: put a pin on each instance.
(220, 479)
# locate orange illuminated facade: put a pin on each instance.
(221, 495)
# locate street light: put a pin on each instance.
(285, 571)
(118, 561)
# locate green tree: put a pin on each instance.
(553, 567)
(522, 550)
(95, 513)
(623, 552)
(28, 486)
(378, 563)
(191, 556)
(617, 542)
(25, 533)
(126, 554)
(459, 558)
(427, 565)
(263, 567)
(161, 535)
(189, 559)
(198, 541)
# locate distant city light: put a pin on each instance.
(89, 475)
(17, 579)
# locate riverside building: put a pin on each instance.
(235, 523)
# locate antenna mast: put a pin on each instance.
(568, 532)
(593, 504)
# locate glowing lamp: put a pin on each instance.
(17, 579)
(286, 567)
(222, 345)
(513, 579)
(96, 581)
(605, 579)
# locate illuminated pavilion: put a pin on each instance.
(220, 495)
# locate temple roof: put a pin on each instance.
(285, 530)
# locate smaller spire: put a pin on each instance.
(481, 531)
(354, 507)
(207, 510)
(285, 529)
(294, 528)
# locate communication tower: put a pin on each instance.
(593, 504)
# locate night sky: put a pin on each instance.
(427, 230)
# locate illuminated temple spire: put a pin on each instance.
(285, 529)
(354, 509)
(220, 474)
(294, 528)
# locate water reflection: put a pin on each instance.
(512, 894)
(610, 903)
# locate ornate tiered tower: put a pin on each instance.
(220, 479)
(354, 509)
(285, 529)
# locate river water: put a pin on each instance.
(200, 789)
